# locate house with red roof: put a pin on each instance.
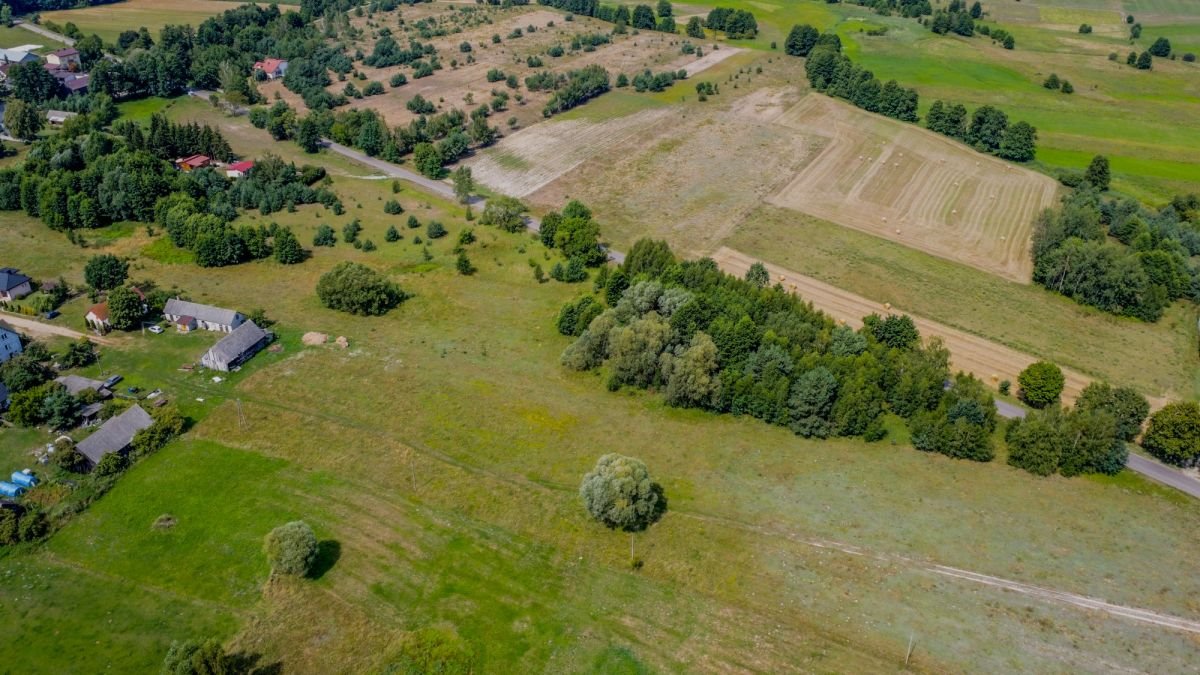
(238, 169)
(193, 162)
(272, 67)
(97, 316)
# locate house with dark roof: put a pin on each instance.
(236, 348)
(190, 315)
(115, 435)
(10, 343)
(77, 384)
(59, 117)
(13, 284)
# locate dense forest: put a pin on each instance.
(1117, 255)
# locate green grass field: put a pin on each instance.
(477, 527)
(110, 20)
(1143, 121)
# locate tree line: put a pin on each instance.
(831, 72)
(641, 17)
(1115, 254)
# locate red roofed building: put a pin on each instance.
(67, 58)
(193, 162)
(272, 67)
(97, 316)
(238, 169)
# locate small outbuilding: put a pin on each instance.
(236, 348)
(238, 169)
(193, 162)
(77, 384)
(115, 435)
(192, 315)
(58, 117)
(97, 316)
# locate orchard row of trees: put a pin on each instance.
(1116, 254)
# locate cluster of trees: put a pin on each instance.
(1054, 83)
(1089, 438)
(1174, 434)
(1143, 61)
(648, 81)
(1115, 254)
(906, 8)
(987, 130)
(579, 87)
(641, 17)
(167, 140)
(575, 234)
(737, 24)
(956, 18)
(833, 73)
(357, 289)
(388, 52)
(713, 341)
(961, 425)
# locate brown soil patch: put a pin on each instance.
(903, 183)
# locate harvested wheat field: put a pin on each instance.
(915, 187)
(989, 361)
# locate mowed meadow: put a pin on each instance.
(438, 458)
(110, 20)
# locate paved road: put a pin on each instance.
(44, 32)
(1009, 411)
(32, 327)
(1157, 471)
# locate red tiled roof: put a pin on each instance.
(269, 65)
(100, 311)
(196, 161)
(185, 320)
(243, 166)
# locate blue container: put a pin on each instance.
(26, 480)
(10, 489)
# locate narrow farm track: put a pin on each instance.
(46, 330)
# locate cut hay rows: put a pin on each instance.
(898, 181)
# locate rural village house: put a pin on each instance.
(115, 435)
(77, 384)
(191, 315)
(236, 348)
(272, 67)
(97, 316)
(58, 117)
(13, 284)
(22, 54)
(193, 162)
(10, 343)
(238, 169)
(66, 58)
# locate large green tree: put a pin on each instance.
(1098, 174)
(105, 271)
(23, 120)
(619, 493)
(125, 308)
(1174, 433)
(801, 40)
(504, 212)
(1041, 384)
(357, 289)
(292, 549)
(287, 247)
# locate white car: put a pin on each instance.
(155, 329)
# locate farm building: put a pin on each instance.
(97, 316)
(10, 343)
(66, 58)
(115, 435)
(207, 317)
(238, 169)
(77, 384)
(89, 414)
(58, 117)
(22, 54)
(13, 284)
(236, 348)
(272, 67)
(193, 162)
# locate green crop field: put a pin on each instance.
(476, 528)
(110, 20)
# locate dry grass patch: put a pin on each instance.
(900, 182)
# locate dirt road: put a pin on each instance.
(38, 329)
(987, 360)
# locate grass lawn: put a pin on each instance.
(15, 36)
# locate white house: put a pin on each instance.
(66, 58)
(13, 284)
(97, 317)
(58, 117)
(10, 344)
(272, 67)
(207, 317)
